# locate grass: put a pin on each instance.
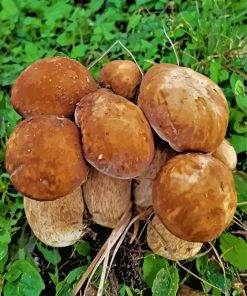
(208, 36)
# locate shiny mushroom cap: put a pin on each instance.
(116, 137)
(122, 76)
(162, 242)
(107, 198)
(194, 197)
(57, 223)
(51, 86)
(185, 108)
(226, 153)
(44, 157)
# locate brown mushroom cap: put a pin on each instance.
(117, 139)
(122, 76)
(107, 198)
(51, 86)
(44, 157)
(57, 223)
(143, 185)
(194, 197)
(185, 108)
(226, 153)
(162, 242)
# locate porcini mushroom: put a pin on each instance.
(144, 183)
(194, 197)
(226, 153)
(162, 242)
(122, 76)
(51, 86)
(116, 137)
(184, 107)
(44, 157)
(57, 223)
(107, 198)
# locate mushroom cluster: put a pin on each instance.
(82, 142)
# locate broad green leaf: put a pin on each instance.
(57, 10)
(151, 266)
(22, 279)
(83, 248)
(214, 276)
(3, 250)
(201, 264)
(240, 179)
(234, 250)
(4, 236)
(65, 287)
(214, 71)
(78, 51)
(239, 143)
(166, 282)
(52, 256)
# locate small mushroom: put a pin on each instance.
(162, 242)
(57, 223)
(116, 137)
(51, 86)
(107, 198)
(44, 157)
(122, 76)
(194, 196)
(184, 107)
(226, 153)
(144, 183)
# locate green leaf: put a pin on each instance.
(3, 250)
(234, 250)
(52, 256)
(125, 290)
(214, 276)
(66, 38)
(78, 51)
(65, 287)
(4, 236)
(240, 179)
(83, 248)
(166, 282)
(214, 71)
(151, 266)
(201, 264)
(239, 143)
(22, 279)
(57, 10)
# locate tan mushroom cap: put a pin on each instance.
(162, 242)
(57, 223)
(185, 108)
(194, 197)
(116, 137)
(51, 86)
(44, 157)
(122, 76)
(107, 198)
(143, 185)
(226, 153)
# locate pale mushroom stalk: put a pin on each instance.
(107, 198)
(143, 183)
(57, 223)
